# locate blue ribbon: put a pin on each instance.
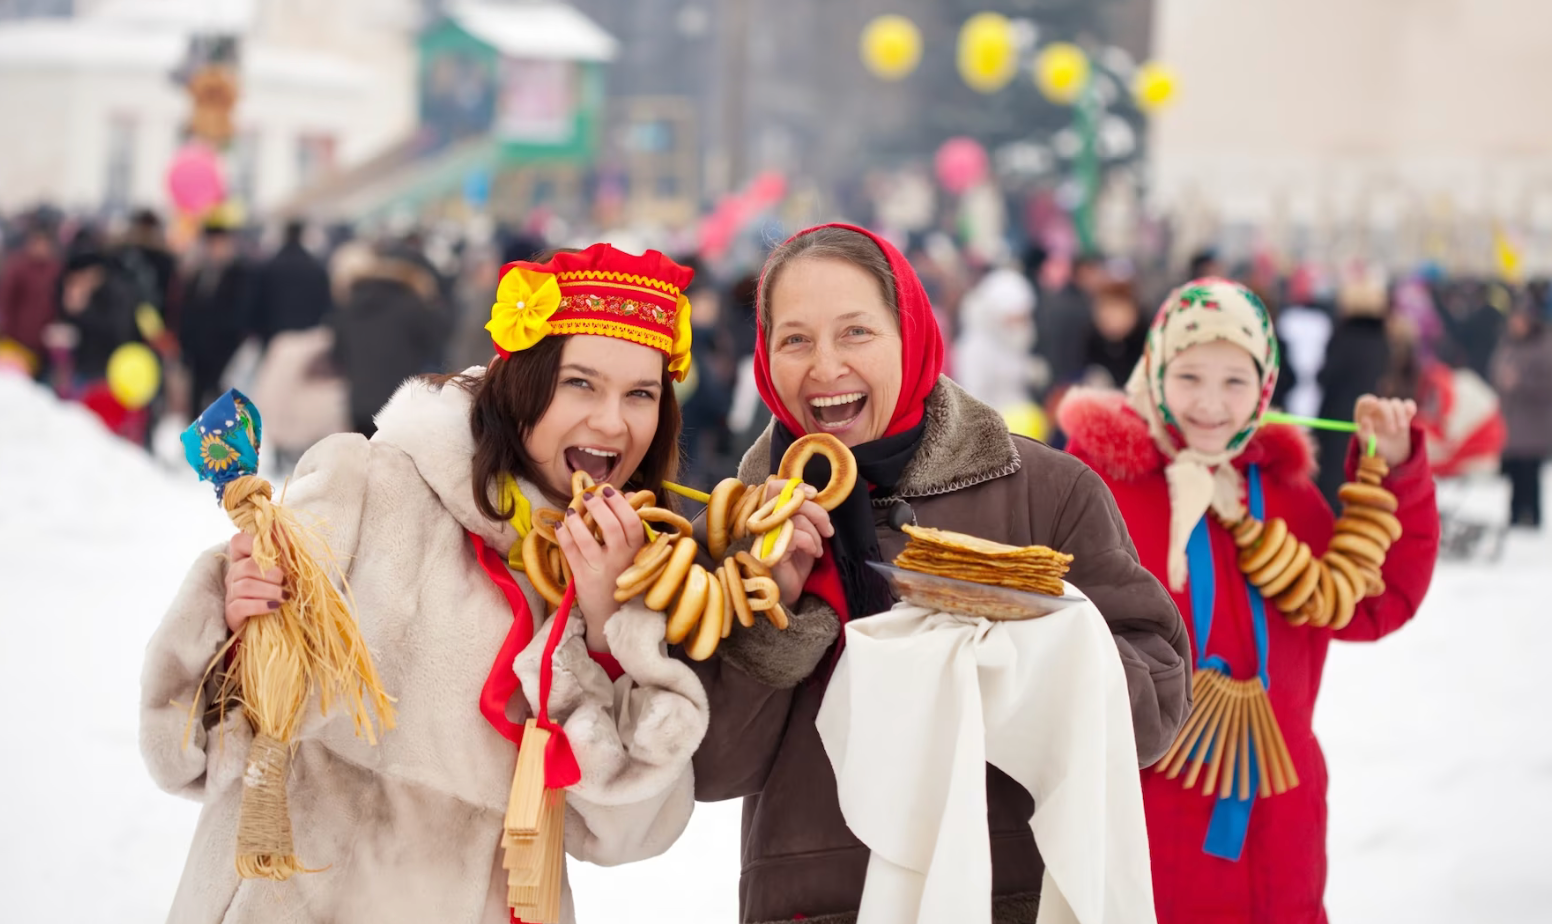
(1231, 816)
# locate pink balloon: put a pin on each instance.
(194, 179)
(961, 163)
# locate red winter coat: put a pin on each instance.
(1281, 874)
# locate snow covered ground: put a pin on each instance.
(1441, 768)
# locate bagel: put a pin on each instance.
(1374, 582)
(843, 466)
(664, 517)
(704, 642)
(736, 595)
(691, 605)
(1346, 601)
(1367, 495)
(783, 539)
(777, 617)
(1327, 593)
(1291, 573)
(727, 601)
(1366, 528)
(1300, 590)
(751, 566)
(674, 573)
(640, 576)
(580, 481)
(1282, 557)
(536, 566)
(1342, 564)
(1386, 520)
(748, 503)
(1256, 557)
(640, 499)
(724, 498)
(1247, 532)
(1362, 549)
(763, 594)
(776, 511)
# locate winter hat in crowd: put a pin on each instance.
(1202, 311)
(600, 291)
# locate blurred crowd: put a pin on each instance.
(320, 326)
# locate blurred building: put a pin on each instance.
(1400, 129)
(94, 113)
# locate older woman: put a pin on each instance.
(848, 346)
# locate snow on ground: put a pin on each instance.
(1441, 773)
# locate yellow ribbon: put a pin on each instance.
(768, 541)
(521, 519)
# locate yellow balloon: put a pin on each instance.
(988, 53)
(891, 47)
(134, 375)
(1027, 420)
(1154, 86)
(1061, 72)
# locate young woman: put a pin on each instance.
(848, 345)
(426, 517)
(1182, 441)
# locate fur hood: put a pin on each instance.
(431, 426)
(1103, 428)
(965, 443)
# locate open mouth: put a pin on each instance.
(598, 463)
(837, 412)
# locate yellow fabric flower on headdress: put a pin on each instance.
(525, 299)
(679, 355)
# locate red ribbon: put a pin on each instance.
(560, 764)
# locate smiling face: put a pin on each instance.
(835, 349)
(603, 416)
(1212, 389)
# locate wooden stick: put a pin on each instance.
(1223, 745)
(1205, 691)
(1206, 709)
(1209, 746)
(1271, 770)
(1280, 746)
(1244, 744)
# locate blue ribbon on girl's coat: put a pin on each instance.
(1231, 816)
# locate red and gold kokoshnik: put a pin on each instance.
(600, 291)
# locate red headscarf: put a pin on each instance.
(921, 343)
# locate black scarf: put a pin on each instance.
(880, 464)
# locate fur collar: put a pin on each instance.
(965, 443)
(1104, 429)
(431, 426)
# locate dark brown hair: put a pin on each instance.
(841, 244)
(509, 401)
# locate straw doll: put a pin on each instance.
(1224, 511)
(425, 520)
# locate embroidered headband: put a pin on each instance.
(601, 291)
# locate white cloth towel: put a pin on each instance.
(922, 700)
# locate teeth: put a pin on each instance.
(597, 452)
(836, 399)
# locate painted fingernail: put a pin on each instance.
(587, 495)
(274, 604)
(571, 511)
(285, 595)
(608, 491)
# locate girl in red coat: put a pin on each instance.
(1183, 452)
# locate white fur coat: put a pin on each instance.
(409, 830)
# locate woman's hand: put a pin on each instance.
(811, 526)
(1389, 421)
(249, 591)
(595, 566)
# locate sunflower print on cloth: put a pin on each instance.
(223, 444)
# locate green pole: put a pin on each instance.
(1086, 121)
